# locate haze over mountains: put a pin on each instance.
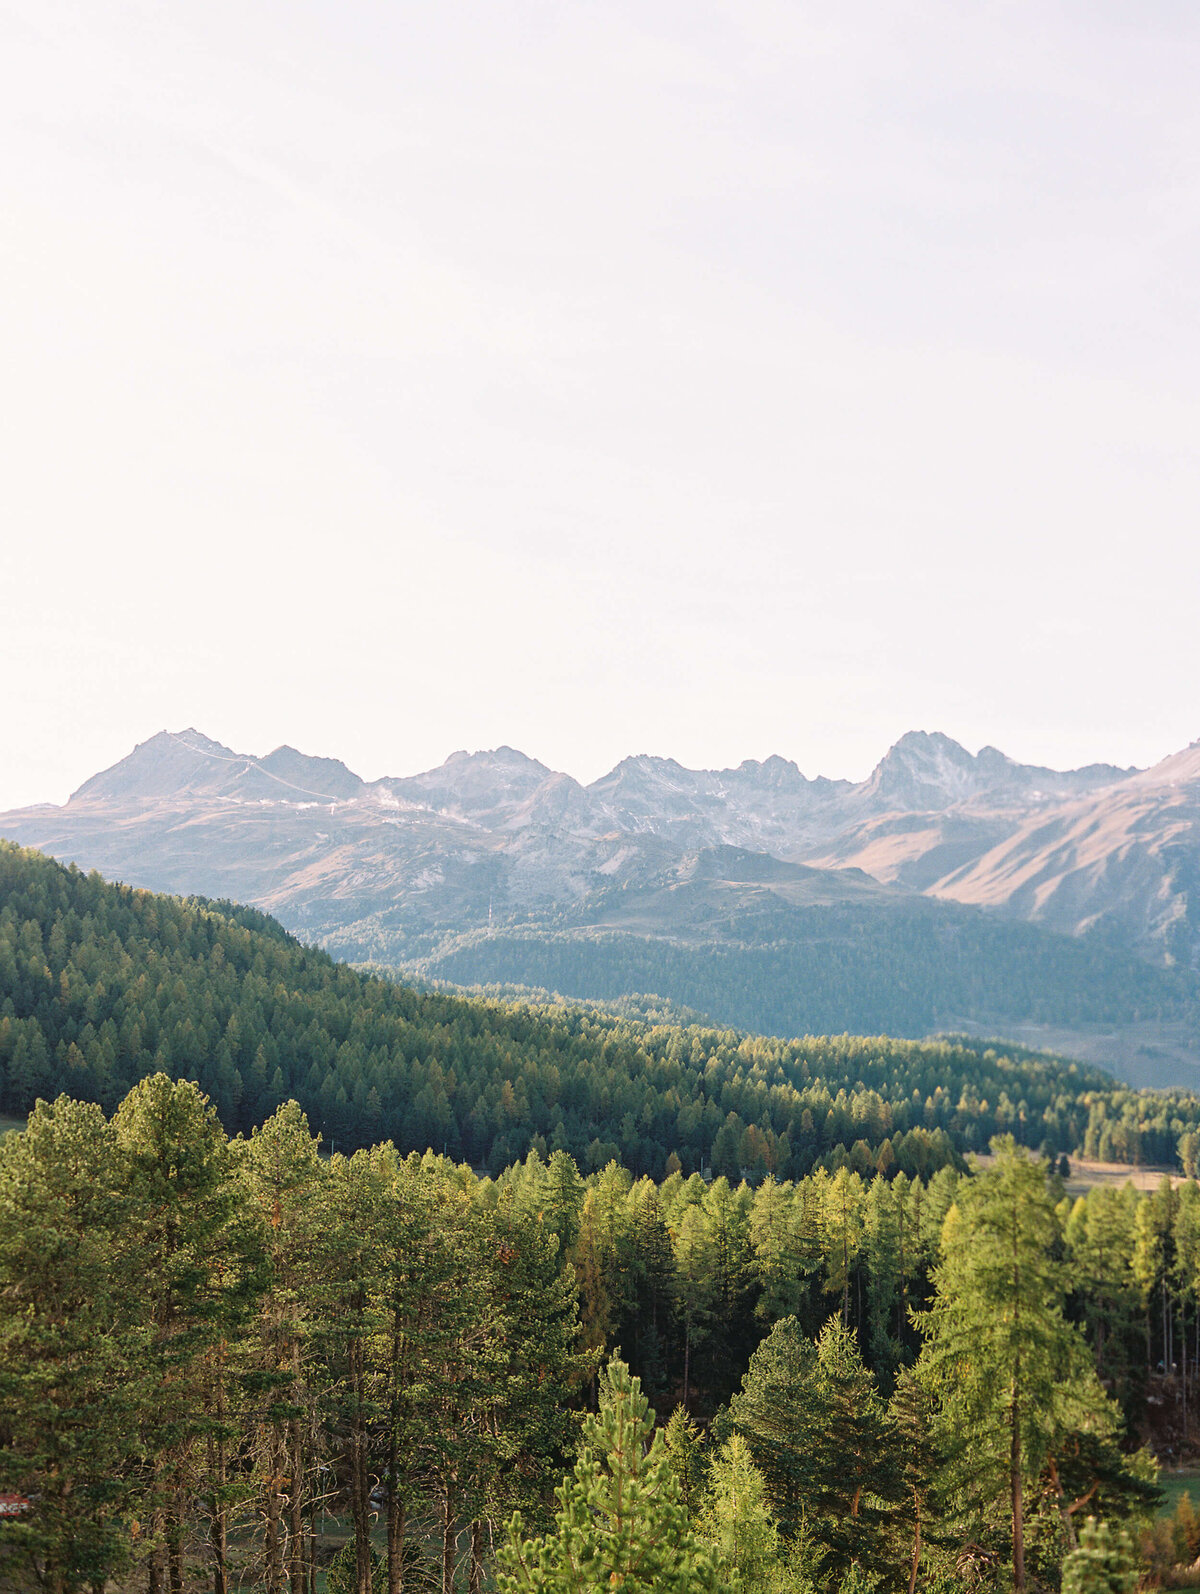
(482, 868)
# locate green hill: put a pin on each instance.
(101, 985)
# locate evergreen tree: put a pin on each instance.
(777, 1411)
(685, 1451)
(911, 1413)
(736, 1523)
(1011, 1376)
(621, 1526)
(1103, 1563)
(854, 1465)
(202, 1277)
(284, 1179)
(72, 1348)
(782, 1254)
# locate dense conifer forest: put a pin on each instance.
(234, 1363)
(790, 971)
(101, 985)
(313, 1282)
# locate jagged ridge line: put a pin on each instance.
(244, 758)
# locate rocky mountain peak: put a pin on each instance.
(773, 771)
(485, 787)
(168, 763)
(312, 777)
(923, 770)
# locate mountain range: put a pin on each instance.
(495, 868)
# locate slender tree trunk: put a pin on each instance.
(272, 1548)
(360, 1493)
(298, 1544)
(175, 1538)
(1018, 1517)
(902, 1303)
(219, 1529)
(475, 1582)
(845, 1271)
(449, 1541)
(396, 1516)
(396, 1526)
(916, 1554)
(1149, 1358)
(360, 1507)
(1166, 1333)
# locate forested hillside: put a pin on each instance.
(796, 971)
(947, 891)
(101, 985)
(220, 1360)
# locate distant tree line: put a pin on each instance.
(797, 971)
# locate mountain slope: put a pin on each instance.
(692, 865)
(101, 985)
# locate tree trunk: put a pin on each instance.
(1018, 1518)
(272, 1548)
(902, 1303)
(298, 1546)
(475, 1582)
(916, 1554)
(396, 1516)
(449, 1542)
(1018, 1509)
(396, 1526)
(360, 1492)
(218, 1532)
(175, 1539)
(154, 1561)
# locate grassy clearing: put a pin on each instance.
(1175, 1484)
(1088, 1175)
(10, 1125)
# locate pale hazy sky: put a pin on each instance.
(711, 379)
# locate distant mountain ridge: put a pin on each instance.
(399, 869)
(175, 763)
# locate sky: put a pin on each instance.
(388, 377)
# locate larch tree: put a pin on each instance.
(1010, 1375)
(736, 1521)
